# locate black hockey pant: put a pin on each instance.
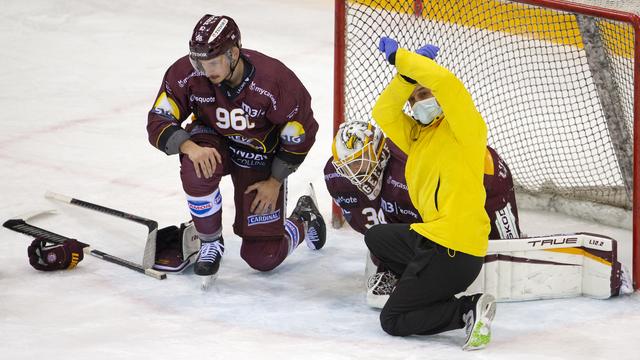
(423, 301)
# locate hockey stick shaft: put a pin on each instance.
(148, 258)
(23, 227)
(151, 224)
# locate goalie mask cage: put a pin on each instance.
(554, 80)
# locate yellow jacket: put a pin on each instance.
(445, 164)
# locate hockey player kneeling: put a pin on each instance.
(176, 248)
(45, 256)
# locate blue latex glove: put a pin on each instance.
(389, 47)
(430, 51)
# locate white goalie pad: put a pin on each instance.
(550, 267)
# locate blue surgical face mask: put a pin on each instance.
(425, 111)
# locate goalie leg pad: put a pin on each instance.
(551, 267)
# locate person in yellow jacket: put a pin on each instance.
(445, 142)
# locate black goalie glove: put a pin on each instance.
(45, 256)
(176, 247)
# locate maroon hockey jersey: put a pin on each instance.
(393, 205)
(269, 112)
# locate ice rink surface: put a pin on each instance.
(78, 78)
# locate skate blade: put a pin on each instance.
(312, 194)
(207, 281)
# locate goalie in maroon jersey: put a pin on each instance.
(365, 177)
(252, 119)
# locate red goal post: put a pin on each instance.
(556, 81)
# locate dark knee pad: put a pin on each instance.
(264, 254)
(388, 323)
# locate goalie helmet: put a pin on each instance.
(212, 37)
(359, 155)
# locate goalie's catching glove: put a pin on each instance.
(45, 256)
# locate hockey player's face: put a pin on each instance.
(419, 93)
(216, 69)
(360, 166)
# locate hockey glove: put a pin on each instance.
(388, 46)
(430, 51)
(50, 257)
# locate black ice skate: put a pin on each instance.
(307, 210)
(209, 258)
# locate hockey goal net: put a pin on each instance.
(554, 80)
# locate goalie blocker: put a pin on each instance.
(176, 248)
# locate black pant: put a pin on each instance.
(423, 302)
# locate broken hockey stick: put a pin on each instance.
(150, 247)
(21, 226)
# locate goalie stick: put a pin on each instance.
(21, 226)
(148, 258)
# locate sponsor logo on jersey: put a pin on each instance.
(332, 175)
(182, 83)
(248, 159)
(392, 207)
(202, 99)
(293, 112)
(253, 143)
(261, 91)
(346, 200)
(251, 112)
(263, 219)
(166, 107)
(397, 184)
(292, 133)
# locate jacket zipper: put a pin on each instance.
(435, 198)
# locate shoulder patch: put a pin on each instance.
(165, 106)
(292, 134)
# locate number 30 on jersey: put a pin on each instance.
(234, 119)
(373, 217)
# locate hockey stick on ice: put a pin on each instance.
(150, 247)
(21, 226)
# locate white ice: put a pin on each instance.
(77, 79)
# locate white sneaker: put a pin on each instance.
(478, 321)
